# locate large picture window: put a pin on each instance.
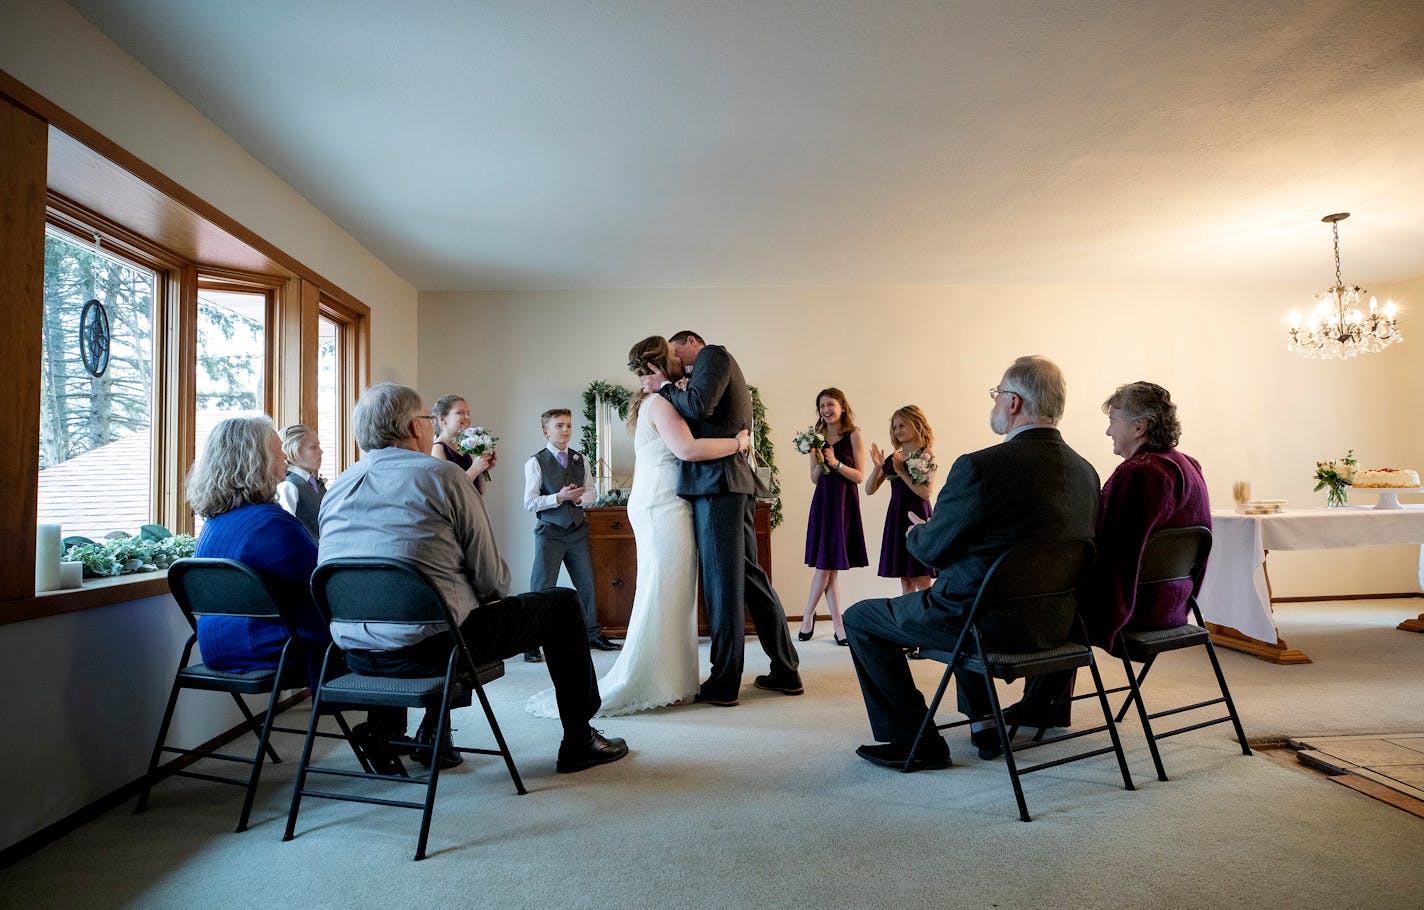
(96, 431)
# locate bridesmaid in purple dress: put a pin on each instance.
(910, 431)
(911, 434)
(835, 538)
(452, 416)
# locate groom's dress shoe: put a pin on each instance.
(786, 685)
(601, 642)
(599, 750)
(934, 755)
(719, 701)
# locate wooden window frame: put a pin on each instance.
(61, 171)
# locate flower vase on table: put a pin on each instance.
(1334, 478)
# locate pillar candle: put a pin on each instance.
(71, 575)
(47, 555)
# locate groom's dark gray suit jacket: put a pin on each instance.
(716, 405)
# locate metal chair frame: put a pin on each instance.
(425, 606)
(195, 599)
(1173, 554)
(971, 654)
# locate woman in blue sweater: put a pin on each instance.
(232, 486)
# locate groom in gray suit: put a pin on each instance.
(717, 404)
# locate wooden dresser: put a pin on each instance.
(615, 565)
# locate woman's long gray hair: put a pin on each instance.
(235, 468)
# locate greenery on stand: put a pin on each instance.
(765, 455)
(616, 395)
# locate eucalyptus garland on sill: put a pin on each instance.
(621, 398)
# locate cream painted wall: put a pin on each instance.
(1250, 410)
(55, 51)
(85, 691)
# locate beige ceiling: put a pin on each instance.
(754, 142)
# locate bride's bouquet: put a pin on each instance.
(920, 466)
(809, 439)
(476, 441)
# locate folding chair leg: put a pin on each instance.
(264, 747)
(346, 732)
(1004, 742)
(498, 738)
(148, 779)
(1226, 694)
(1141, 678)
(928, 723)
(1112, 727)
(303, 763)
(1135, 684)
(254, 726)
(442, 727)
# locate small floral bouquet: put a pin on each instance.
(476, 441)
(809, 439)
(920, 466)
(1334, 477)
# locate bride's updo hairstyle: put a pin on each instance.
(654, 350)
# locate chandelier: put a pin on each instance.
(1339, 327)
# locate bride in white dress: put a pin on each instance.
(658, 663)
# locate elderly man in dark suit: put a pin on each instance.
(1031, 487)
(717, 404)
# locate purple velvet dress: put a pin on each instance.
(463, 462)
(835, 537)
(895, 558)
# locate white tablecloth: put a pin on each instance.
(1234, 590)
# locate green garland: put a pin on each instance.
(621, 398)
(766, 456)
(124, 554)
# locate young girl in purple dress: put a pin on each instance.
(911, 436)
(452, 416)
(835, 538)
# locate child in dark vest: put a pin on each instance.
(302, 490)
(556, 490)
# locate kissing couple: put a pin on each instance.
(692, 504)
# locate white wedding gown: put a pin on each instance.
(658, 663)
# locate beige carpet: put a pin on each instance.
(765, 805)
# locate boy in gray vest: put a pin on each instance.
(556, 491)
(301, 491)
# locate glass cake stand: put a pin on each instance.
(1388, 496)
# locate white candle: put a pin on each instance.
(47, 554)
(71, 575)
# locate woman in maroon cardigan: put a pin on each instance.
(1155, 487)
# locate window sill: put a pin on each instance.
(96, 592)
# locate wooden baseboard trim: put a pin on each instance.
(1317, 598)
(53, 832)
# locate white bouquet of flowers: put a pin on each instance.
(920, 466)
(476, 441)
(809, 439)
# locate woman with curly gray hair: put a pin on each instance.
(232, 485)
(1155, 487)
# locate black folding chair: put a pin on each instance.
(1024, 622)
(1173, 554)
(394, 591)
(226, 587)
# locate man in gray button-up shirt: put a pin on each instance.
(400, 502)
